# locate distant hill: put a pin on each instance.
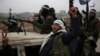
(23, 15)
(3, 16)
(98, 14)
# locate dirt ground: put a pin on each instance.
(98, 46)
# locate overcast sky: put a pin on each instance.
(35, 5)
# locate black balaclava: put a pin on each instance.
(52, 13)
(44, 10)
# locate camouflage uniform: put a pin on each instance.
(92, 34)
(45, 26)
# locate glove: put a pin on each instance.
(93, 44)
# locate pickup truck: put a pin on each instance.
(25, 45)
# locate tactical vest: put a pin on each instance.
(59, 49)
(91, 25)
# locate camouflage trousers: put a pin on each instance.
(88, 49)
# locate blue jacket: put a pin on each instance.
(71, 37)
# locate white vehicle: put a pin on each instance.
(21, 42)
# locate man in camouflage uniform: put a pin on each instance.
(92, 34)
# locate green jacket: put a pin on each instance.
(45, 26)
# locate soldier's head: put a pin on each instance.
(92, 13)
(51, 10)
(44, 10)
(58, 25)
(51, 13)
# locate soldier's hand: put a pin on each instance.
(5, 39)
(87, 34)
(93, 44)
(73, 11)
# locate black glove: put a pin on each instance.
(84, 12)
(93, 44)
